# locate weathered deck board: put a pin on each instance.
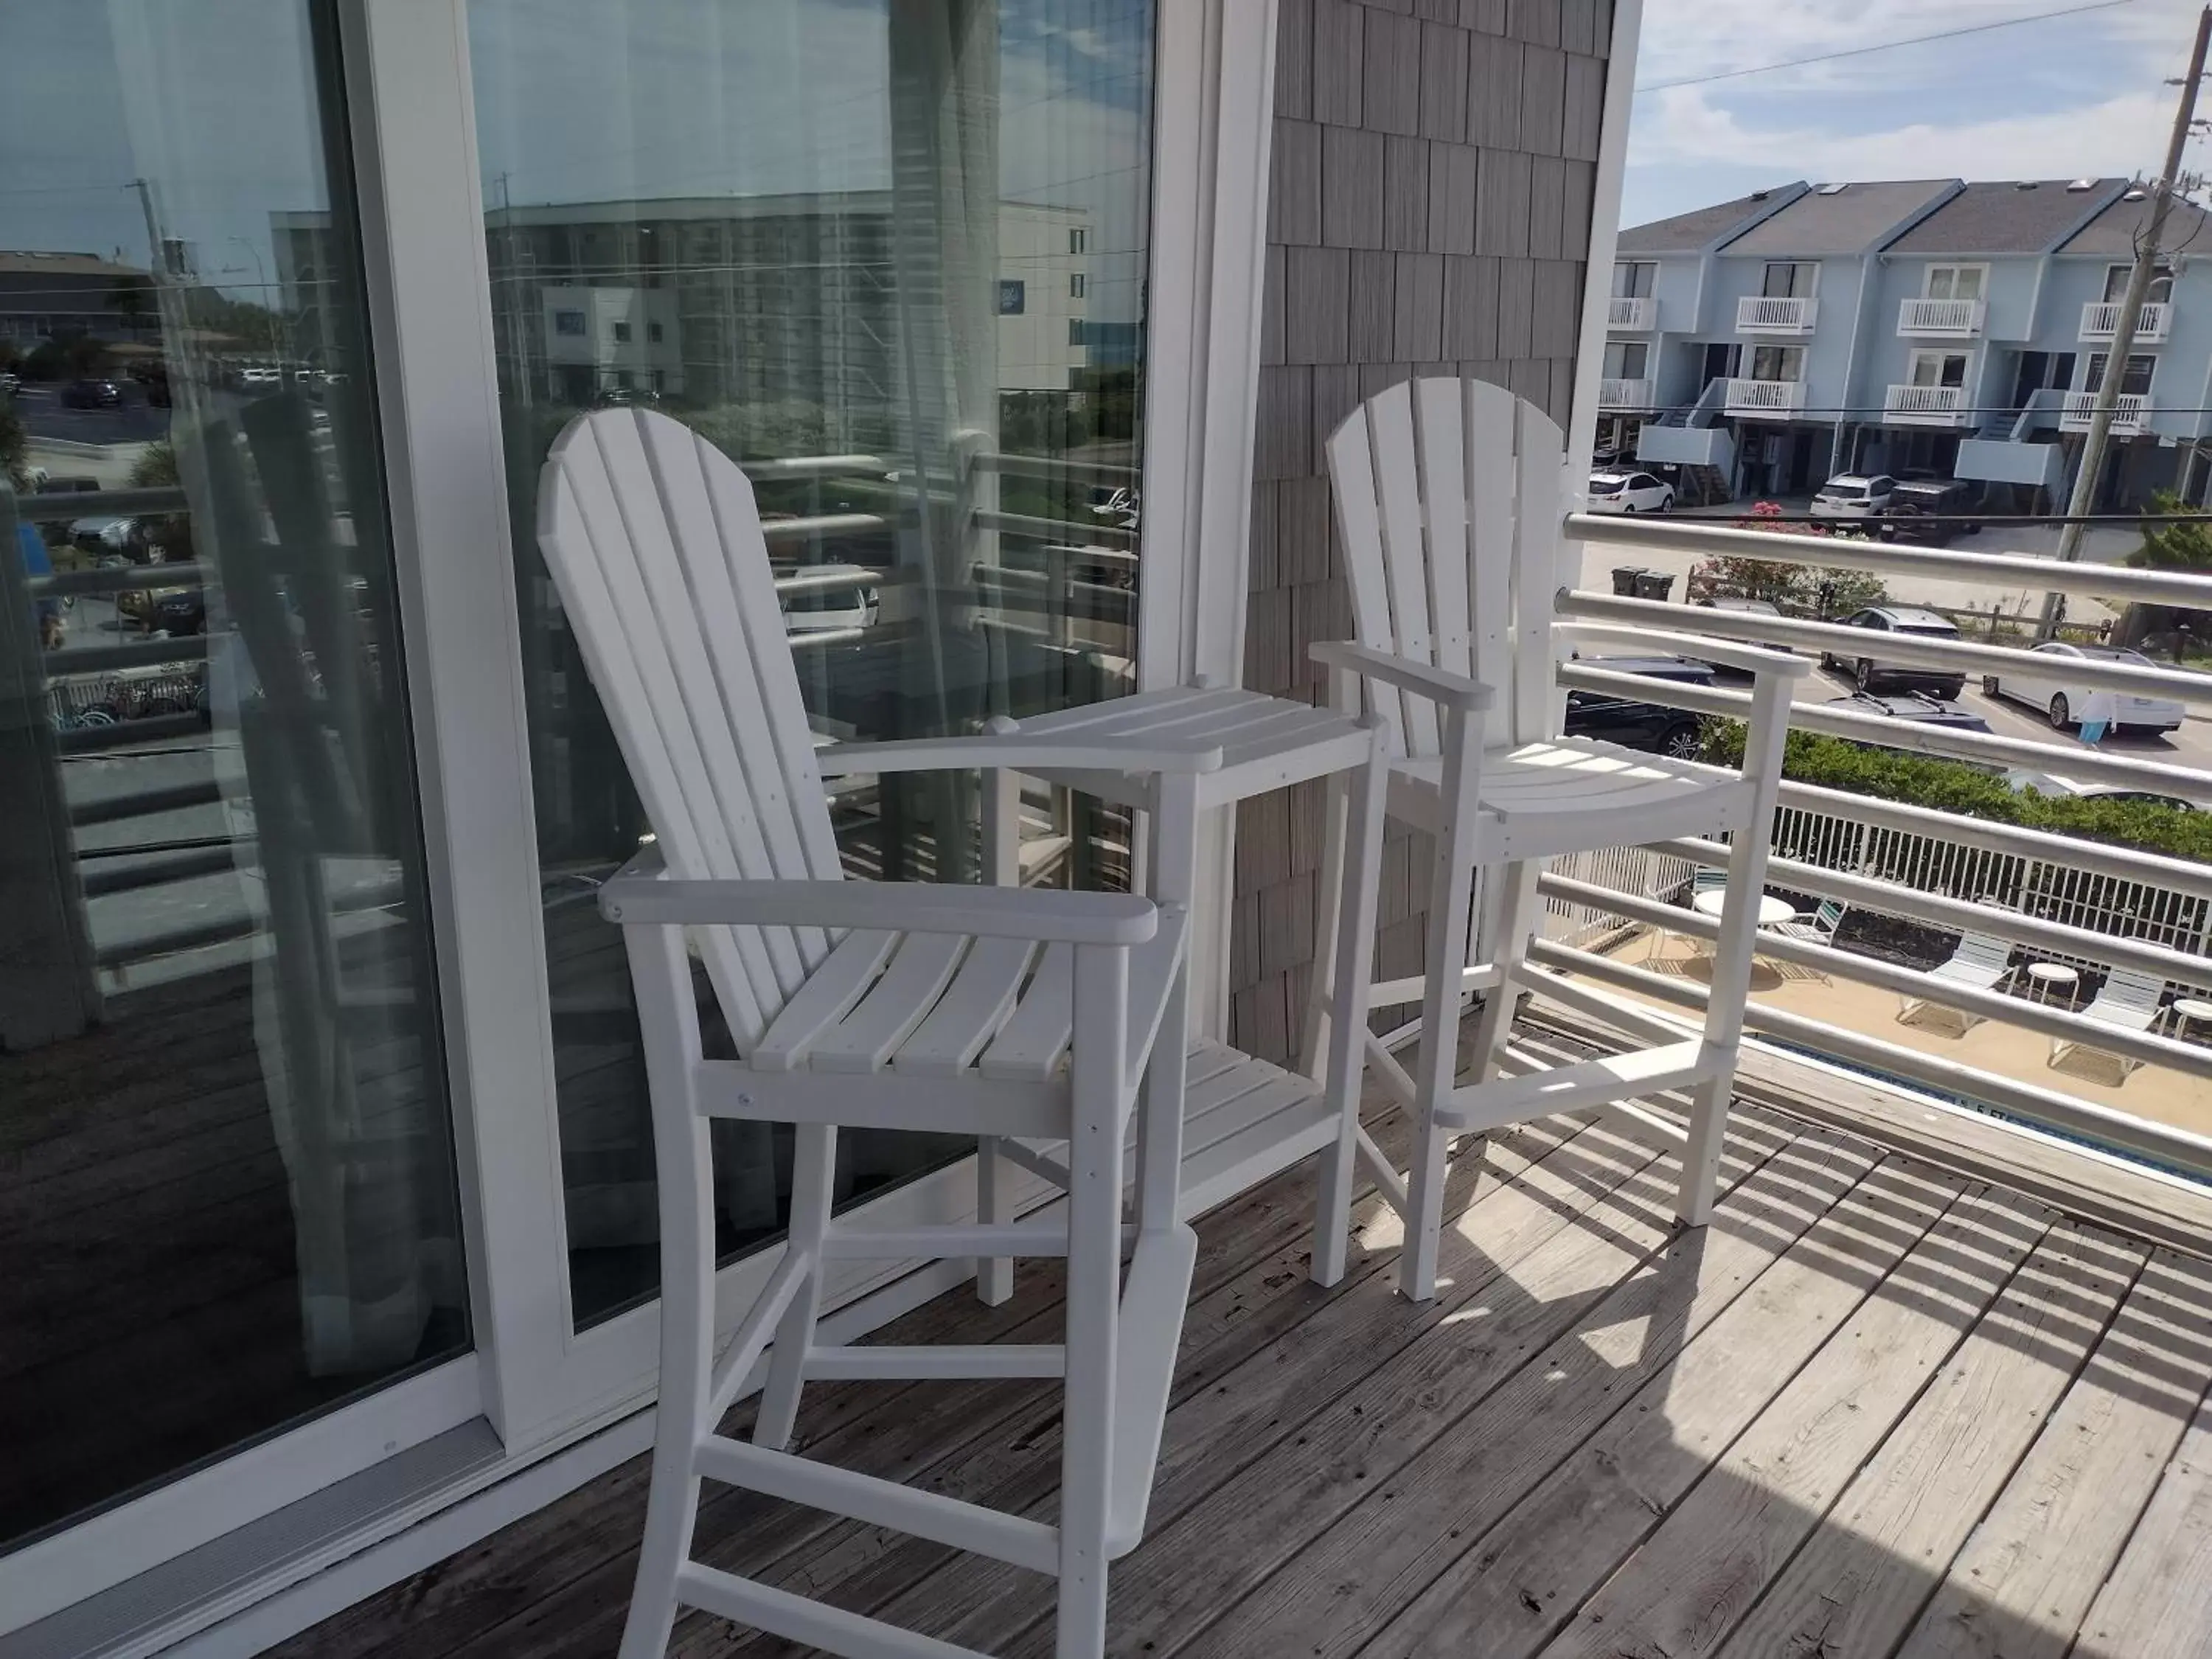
(1868, 1375)
(2022, 1585)
(1856, 1587)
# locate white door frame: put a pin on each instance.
(538, 1382)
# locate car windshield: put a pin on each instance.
(2114, 653)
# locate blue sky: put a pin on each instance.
(2059, 98)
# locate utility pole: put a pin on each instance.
(2124, 335)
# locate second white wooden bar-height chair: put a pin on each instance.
(1449, 511)
(985, 1011)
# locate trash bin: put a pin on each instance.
(1653, 584)
(1625, 579)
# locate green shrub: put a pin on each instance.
(1949, 786)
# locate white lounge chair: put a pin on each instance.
(1979, 964)
(2128, 1001)
(1449, 511)
(1817, 926)
(985, 1011)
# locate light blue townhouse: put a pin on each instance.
(1761, 345)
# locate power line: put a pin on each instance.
(1884, 45)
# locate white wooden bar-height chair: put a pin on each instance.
(987, 1012)
(1449, 510)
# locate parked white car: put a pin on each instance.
(1629, 492)
(2043, 683)
(1854, 496)
(827, 597)
(2052, 784)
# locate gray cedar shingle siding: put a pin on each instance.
(1428, 213)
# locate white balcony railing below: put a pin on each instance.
(2100, 320)
(1949, 319)
(1638, 316)
(1766, 397)
(1927, 405)
(1624, 394)
(2130, 411)
(1756, 313)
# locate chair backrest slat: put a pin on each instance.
(1448, 507)
(655, 543)
(2129, 987)
(1983, 951)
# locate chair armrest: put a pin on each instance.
(642, 892)
(1011, 752)
(1439, 685)
(1748, 658)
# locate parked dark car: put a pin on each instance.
(1634, 724)
(1914, 502)
(1870, 673)
(181, 611)
(92, 394)
(1915, 706)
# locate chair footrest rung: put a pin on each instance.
(809, 1623)
(1020, 1238)
(936, 1362)
(1013, 1539)
(1485, 1106)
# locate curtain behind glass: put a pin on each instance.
(889, 255)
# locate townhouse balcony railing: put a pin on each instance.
(2100, 321)
(1926, 405)
(2055, 898)
(1756, 313)
(2131, 413)
(1943, 319)
(1625, 394)
(1764, 396)
(1635, 316)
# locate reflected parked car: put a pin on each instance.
(833, 605)
(2042, 683)
(1629, 492)
(1870, 672)
(92, 394)
(1854, 496)
(1632, 723)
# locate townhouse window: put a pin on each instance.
(1778, 363)
(1075, 330)
(622, 332)
(2159, 293)
(1078, 284)
(569, 322)
(1626, 359)
(1079, 240)
(1939, 367)
(1633, 279)
(2134, 379)
(1957, 282)
(1788, 280)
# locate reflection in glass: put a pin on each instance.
(890, 255)
(227, 1196)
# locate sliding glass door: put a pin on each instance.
(228, 1199)
(891, 257)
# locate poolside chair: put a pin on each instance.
(1448, 509)
(1815, 927)
(2128, 1001)
(1979, 964)
(972, 1011)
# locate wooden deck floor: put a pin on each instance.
(1876, 1408)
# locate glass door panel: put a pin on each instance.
(890, 255)
(227, 1187)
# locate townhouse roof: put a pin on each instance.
(14, 262)
(2112, 233)
(2006, 216)
(1832, 220)
(1706, 227)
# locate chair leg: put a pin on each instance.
(813, 1183)
(994, 1275)
(1512, 927)
(1359, 869)
(1328, 904)
(1733, 951)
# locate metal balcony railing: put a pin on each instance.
(1758, 314)
(2091, 904)
(1944, 320)
(1926, 405)
(1764, 396)
(2100, 321)
(1633, 316)
(2130, 411)
(1624, 394)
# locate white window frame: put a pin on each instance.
(1794, 356)
(1620, 269)
(2163, 272)
(1927, 279)
(2087, 377)
(1811, 292)
(1939, 353)
(1616, 360)
(541, 1384)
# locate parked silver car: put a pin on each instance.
(2043, 683)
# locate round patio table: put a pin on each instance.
(1714, 901)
